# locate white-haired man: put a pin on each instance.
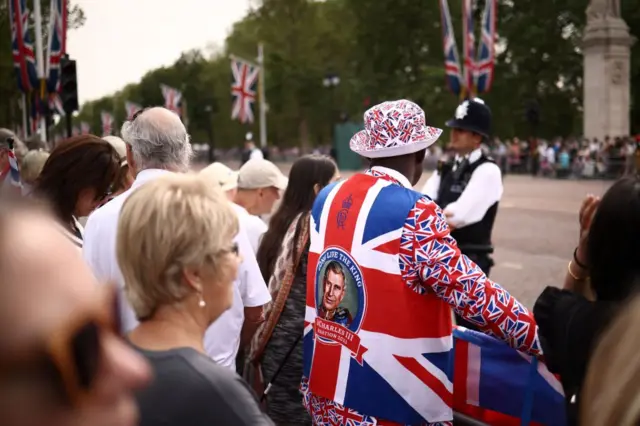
(158, 143)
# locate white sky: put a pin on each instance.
(123, 39)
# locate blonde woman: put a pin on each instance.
(611, 389)
(30, 168)
(176, 252)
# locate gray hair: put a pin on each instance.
(158, 140)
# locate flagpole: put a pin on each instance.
(25, 124)
(37, 13)
(263, 110)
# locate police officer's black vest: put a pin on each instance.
(475, 237)
(246, 155)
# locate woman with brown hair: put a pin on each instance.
(76, 178)
(276, 350)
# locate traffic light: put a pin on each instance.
(68, 85)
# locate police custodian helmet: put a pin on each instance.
(472, 115)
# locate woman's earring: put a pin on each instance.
(202, 303)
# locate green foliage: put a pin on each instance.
(383, 49)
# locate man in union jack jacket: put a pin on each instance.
(402, 274)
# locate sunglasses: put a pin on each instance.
(70, 357)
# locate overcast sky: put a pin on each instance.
(123, 39)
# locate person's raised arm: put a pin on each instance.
(462, 284)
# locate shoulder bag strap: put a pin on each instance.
(285, 288)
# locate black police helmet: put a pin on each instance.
(472, 115)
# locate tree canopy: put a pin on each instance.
(380, 50)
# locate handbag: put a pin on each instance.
(253, 371)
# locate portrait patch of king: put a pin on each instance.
(334, 283)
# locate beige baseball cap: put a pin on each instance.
(221, 175)
(120, 146)
(260, 173)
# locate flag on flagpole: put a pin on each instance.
(55, 104)
(172, 98)
(131, 108)
(24, 60)
(85, 128)
(75, 131)
(468, 46)
(486, 49)
(243, 89)
(14, 170)
(57, 43)
(451, 58)
(107, 123)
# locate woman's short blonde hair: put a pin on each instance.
(174, 222)
(610, 393)
(32, 165)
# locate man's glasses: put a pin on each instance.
(71, 355)
(137, 114)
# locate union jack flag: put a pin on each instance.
(57, 43)
(55, 104)
(468, 45)
(14, 170)
(451, 59)
(107, 123)
(75, 131)
(131, 108)
(85, 128)
(486, 51)
(172, 98)
(498, 385)
(243, 89)
(24, 60)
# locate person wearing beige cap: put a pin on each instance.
(125, 180)
(223, 176)
(259, 185)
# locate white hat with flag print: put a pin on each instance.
(392, 129)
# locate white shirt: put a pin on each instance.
(256, 154)
(551, 155)
(222, 339)
(223, 336)
(483, 190)
(99, 249)
(253, 226)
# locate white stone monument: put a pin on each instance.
(606, 47)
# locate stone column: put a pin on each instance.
(606, 48)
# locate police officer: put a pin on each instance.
(468, 188)
(250, 152)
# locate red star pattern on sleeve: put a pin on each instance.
(431, 261)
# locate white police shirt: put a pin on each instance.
(483, 190)
(223, 336)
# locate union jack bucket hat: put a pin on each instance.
(392, 129)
